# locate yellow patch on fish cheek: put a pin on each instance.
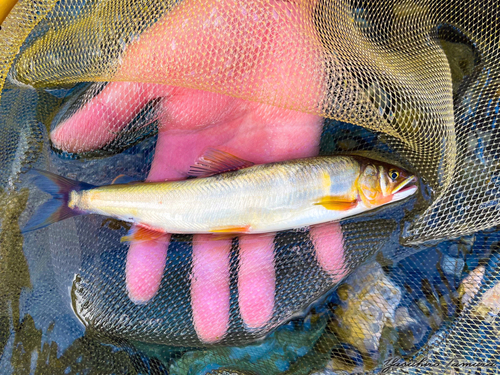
(363, 189)
(369, 192)
(365, 200)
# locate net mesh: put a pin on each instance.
(95, 89)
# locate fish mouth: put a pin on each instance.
(405, 188)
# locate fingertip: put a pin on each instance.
(256, 280)
(210, 294)
(329, 248)
(60, 139)
(76, 134)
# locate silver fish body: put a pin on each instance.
(258, 199)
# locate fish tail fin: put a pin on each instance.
(57, 208)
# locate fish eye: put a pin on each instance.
(393, 174)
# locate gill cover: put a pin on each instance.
(378, 184)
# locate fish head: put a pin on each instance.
(381, 183)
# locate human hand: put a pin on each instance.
(276, 61)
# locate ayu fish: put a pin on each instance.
(232, 195)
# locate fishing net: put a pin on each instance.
(92, 90)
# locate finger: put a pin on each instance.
(256, 279)
(144, 269)
(210, 295)
(98, 122)
(328, 244)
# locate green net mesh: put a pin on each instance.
(95, 89)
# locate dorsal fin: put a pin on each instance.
(215, 162)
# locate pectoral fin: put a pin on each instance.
(336, 204)
(142, 233)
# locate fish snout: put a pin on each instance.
(406, 188)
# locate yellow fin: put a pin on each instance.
(336, 204)
(231, 229)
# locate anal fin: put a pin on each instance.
(335, 204)
(141, 233)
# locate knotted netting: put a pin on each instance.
(96, 89)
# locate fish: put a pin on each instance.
(230, 195)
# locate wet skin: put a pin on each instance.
(193, 120)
